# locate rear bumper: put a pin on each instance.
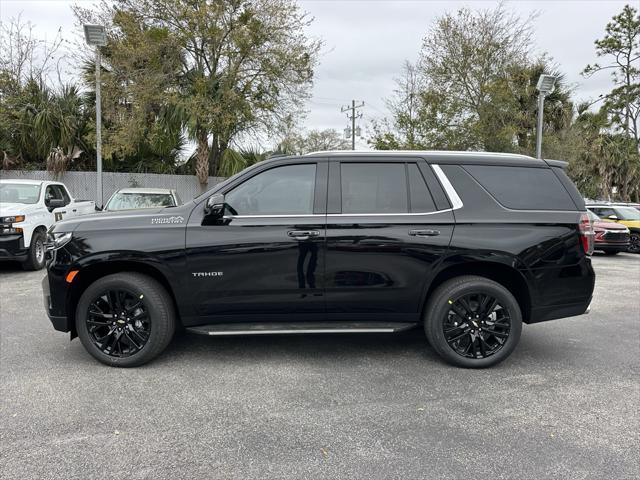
(12, 248)
(563, 292)
(553, 312)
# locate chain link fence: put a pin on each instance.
(82, 185)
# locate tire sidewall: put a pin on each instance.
(439, 308)
(635, 249)
(158, 314)
(32, 263)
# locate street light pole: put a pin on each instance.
(96, 36)
(541, 96)
(98, 129)
(544, 87)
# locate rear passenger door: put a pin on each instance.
(388, 223)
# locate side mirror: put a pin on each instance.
(214, 209)
(54, 203)
(612, 217)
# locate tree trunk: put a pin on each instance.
(202, 158)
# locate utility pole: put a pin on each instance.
(352, 116)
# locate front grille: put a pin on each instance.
(612, 236)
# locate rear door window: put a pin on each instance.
(374, 188)
(523, 188)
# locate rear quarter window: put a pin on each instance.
(523, 188)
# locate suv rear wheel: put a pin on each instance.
(125, 319)
(473, 322)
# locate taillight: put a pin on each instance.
(586, 233)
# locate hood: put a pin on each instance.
(10, 209)
(630, 223)
(604, 225)
(122, 220)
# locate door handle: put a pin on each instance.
(303, 234)
(424, 233)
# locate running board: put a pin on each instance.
(290, 328)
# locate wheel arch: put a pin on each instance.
(38, 228)
(505, 275)
(89, 274)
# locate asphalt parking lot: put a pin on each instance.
(566, 404)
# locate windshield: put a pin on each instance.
(593, 216)
(19, 193)
(628, 213)
(131, 201)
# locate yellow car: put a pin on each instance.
(628, 216)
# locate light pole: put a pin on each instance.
(96, 36)
(544, 86)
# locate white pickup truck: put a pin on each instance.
(27, 209)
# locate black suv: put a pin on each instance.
(467, 245)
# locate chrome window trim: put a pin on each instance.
(451, 193)
(455, 200)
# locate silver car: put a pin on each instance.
(136, 198)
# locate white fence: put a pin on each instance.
(82, 185)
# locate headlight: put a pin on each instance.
(58, 240)
(14, 219)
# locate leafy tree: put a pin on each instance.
(313, 141)
(621, 44)
(463, 55)
(39, 125)
(243, 65)
(473, 89)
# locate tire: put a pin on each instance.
(151, 332)
(439, 314)
(36, 258)
(634, 245)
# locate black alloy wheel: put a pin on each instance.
(125, 319)
(118, 322)
(473, 321)
(476, 325)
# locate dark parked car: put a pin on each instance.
(610, 237)
(466, 245)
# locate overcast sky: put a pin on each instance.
(367, 41)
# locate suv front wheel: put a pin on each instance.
(125, 319)
(473, 322)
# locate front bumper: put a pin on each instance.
(58, 319)
(611, 246)
(12, 248)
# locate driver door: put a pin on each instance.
(54, 194)
(265, 258)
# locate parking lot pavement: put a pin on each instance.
(564, 405)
